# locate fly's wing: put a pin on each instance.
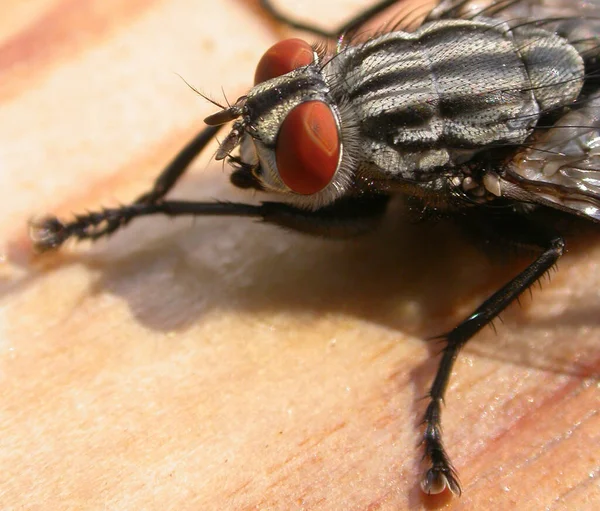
(561, 166)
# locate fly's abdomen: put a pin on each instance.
(455, 87)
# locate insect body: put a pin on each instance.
(481, 113)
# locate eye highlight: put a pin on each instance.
(308, 148)
(283, 57)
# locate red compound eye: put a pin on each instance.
(308, 148)
(283, 57)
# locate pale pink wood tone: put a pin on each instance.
(222, 364)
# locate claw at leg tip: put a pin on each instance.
(435, 482)
(46, 233)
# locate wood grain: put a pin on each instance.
(222, 364)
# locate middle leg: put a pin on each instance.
(348, 28)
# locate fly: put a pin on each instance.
(486, 112)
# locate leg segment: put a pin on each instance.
(175, 169)
(347, 28)
(345, 218)
(49, 232)
(441, 473)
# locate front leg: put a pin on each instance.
(49, 232)
(342, 219)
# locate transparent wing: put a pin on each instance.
(561, 166)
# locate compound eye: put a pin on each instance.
(283, 57)
(308, 148)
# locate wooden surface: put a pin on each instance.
(222, 364)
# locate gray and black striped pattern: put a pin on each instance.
(457, 84)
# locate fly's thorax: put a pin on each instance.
(437, 97)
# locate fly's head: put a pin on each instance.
(288, 130)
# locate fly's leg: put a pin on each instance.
(49, 232)
(347, 28)
(345, 218)
(178, 165)
(441, 473)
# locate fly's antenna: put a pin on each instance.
(225, 97)
(202, 95)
